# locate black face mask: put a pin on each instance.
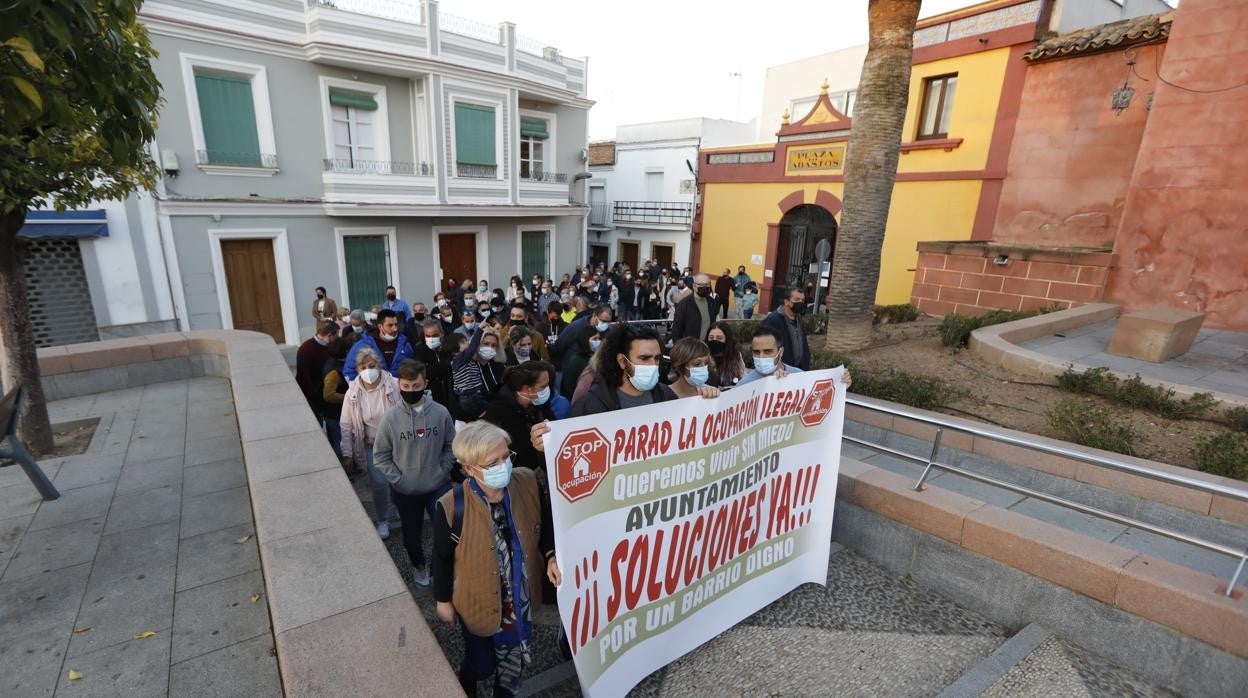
(799, 308)
(704, 291)
(717, 347)
(412, 397)
(391, 296)
(515, 323)
(419, 317)
(320, 295)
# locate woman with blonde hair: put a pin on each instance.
(493, 544)
(369, 396)
(478, 371)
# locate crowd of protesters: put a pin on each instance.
(443, 406)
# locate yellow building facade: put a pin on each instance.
(770, 207)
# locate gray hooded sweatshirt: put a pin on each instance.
(413, 446)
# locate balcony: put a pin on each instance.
(476, 171)
(382, 167)
(354, 181)
(543, 176)
(598, 213)
(663, 213)
(222, 162)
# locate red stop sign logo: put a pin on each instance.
(819, 405)
(582, 463)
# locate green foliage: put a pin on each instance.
(923, 392)
(78, 102)
(743, 330)
(1091, 425)
(1224, 454)
(824, 358)
(1134, 392)
(1237, 417)
(891, 314)
(955, 330)
(1098, 381)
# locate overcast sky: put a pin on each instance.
(651, 60)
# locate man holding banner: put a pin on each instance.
(673, 526)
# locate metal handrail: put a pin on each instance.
(930, 462)
(1064, 452)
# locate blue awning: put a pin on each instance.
(65, 224)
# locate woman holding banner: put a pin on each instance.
(493, 543)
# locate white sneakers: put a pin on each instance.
(420, 575)
(383, 529)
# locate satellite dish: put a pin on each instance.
(823, 250)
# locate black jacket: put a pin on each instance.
(602, 398)
(687, 322)
(567, 338)
(506, 413)
(778, 322)
(437, 372)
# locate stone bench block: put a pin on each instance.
(1156, 334)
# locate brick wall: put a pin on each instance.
(602, 153)
(967, 278)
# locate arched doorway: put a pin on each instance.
(797, 264)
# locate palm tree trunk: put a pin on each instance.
(19, 365)
(871, 170)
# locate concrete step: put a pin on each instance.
(1187, 555)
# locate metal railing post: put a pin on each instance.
(1239, 569)
(918, 486)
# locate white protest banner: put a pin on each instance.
(675, 522)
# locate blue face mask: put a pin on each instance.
(483, 313)
(594, 344)
(765, 365)
(542, 396)
(470, 325)
(498, 476)
(433, 342)
(699, 375)
(602, 327)
(644, 378)
(358, 329)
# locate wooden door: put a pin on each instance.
(629, 254)
(662, 253)
(251, 282)
(457, 254)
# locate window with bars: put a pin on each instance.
(353, 116)
(937, 104)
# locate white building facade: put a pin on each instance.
(643, 189)
(345, 144)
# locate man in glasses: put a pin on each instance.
(695, 313)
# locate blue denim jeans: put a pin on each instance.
(381, 490)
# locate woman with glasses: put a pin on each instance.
(493, 544)
(478, 371)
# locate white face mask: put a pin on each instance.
(389, 337)
(488, 353)
(370, 375)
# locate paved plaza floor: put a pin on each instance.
(1218, 360)
(143, 579)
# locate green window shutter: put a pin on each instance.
(368, 269)
(355, 100)
(535, 128)
(474, 135)
(229, 119)
(533, 253)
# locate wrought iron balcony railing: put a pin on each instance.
(543, 176)
(660, 212)
(385, 167)
(227, 159)
(476, 171)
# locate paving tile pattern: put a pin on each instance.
(142, 539)
(1218, 359)
(1059, 669)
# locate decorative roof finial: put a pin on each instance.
(784, 120)
(823, 89)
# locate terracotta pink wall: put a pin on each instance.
(1183, 239)
(1072, 156)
